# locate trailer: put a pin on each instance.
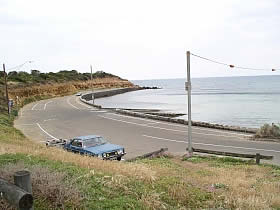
(56, 142)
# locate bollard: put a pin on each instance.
(15, 195)
(22, 179)
(258, 158)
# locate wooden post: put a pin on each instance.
(22, 179)
(258, 158)
(17, 101)
(15, 195)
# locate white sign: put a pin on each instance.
(187, 86)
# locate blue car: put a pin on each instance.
(95, 146)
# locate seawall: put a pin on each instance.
(87, 97)
(107, 93)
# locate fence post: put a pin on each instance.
(22, 179)
(258, 158)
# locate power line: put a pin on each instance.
(19, 66)
(231, 65)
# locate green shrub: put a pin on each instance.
(62, 76)
(268, 131)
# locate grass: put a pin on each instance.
(63, 180)
(160, 183)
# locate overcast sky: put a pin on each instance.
(144, 39)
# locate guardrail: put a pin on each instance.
(20, 193)
(256, 156)
(149, 155)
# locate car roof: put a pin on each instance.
(83, 138)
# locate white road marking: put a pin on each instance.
(78, 101)
(183, 126)
(49, 119)
(71, 104)
(152, 123)
(168, 129)
(26, 124)
(46, 132)
(99, 111)
(34, 106)
(136, 118)
(45, 106)
(214, 145)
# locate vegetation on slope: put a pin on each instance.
(62, 76)
(36, 86)
(159, 183)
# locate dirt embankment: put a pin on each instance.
(60, 89)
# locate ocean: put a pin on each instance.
(240, 101)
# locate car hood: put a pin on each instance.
(103, 148)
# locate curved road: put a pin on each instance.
(67, 117)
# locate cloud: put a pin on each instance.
(140, 39)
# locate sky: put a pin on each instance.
(145, 39)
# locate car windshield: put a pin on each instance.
(94, 142)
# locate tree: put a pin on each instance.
(35, 72)
(12, 73)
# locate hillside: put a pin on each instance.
(63, 180)
(38, 85)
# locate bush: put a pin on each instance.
(268, 131)
(62, 76)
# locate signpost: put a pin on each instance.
(6, 87)
(92, 94)
(10, 104)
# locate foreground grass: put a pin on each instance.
(160, 183)
(63, 180)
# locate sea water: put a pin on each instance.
(239, 101)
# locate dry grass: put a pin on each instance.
(46, 184)
(240, 187)
(171, 180)
(138, 171)
(182, 182)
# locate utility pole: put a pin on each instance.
(92, 94)
(189, 88)
(6, 87)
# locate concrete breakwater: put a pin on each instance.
(87, 97)
(185, 122)
(107, 93)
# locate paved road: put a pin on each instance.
(67, 117)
